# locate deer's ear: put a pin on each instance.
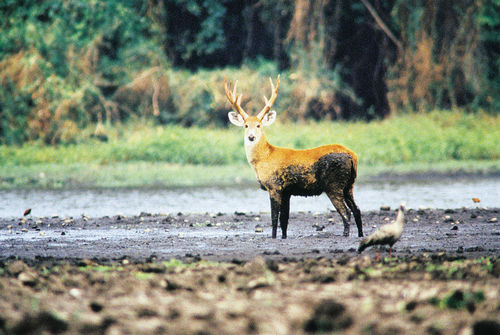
(236, 119)
(269, 118)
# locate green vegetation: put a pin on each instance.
(141, 154)
(67, 66)
(127, 94)
(459, 300)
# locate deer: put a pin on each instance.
(284, 172)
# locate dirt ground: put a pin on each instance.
(215, 273)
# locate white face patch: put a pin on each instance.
(251, 136)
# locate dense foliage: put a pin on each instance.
(67, 64)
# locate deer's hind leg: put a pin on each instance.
(336, 196)
(349, 200)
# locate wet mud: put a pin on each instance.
(216, 273)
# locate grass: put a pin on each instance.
(140, 154)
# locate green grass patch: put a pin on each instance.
(458, 299)
(141, 154)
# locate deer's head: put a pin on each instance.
(253, 124)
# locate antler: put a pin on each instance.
(270, 102)
(235, 101)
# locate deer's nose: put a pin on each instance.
(251, 138)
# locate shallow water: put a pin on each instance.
(436, 193)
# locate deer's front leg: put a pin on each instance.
(284, 214)
(275, 212)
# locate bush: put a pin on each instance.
(15, 106)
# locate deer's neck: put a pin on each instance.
(259, 151)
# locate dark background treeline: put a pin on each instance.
(65, 65)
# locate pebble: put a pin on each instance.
(385, 208)
(259, 229)
(75, 293)
(27, 278)
(492, 220)
(448, 218)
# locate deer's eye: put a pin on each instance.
(246, 126)
(258, 126)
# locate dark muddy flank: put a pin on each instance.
(328, 170)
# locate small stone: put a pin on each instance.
(75, 293)
(454, 228)
(27, 278)
(448, 218)
(96, 306)
(493, 220)
(385, 208)
(258, 229)
(24, 230)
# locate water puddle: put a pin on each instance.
(445, 193)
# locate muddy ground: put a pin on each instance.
(223, 274)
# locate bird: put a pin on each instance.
(27, 212)
(387, 234)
